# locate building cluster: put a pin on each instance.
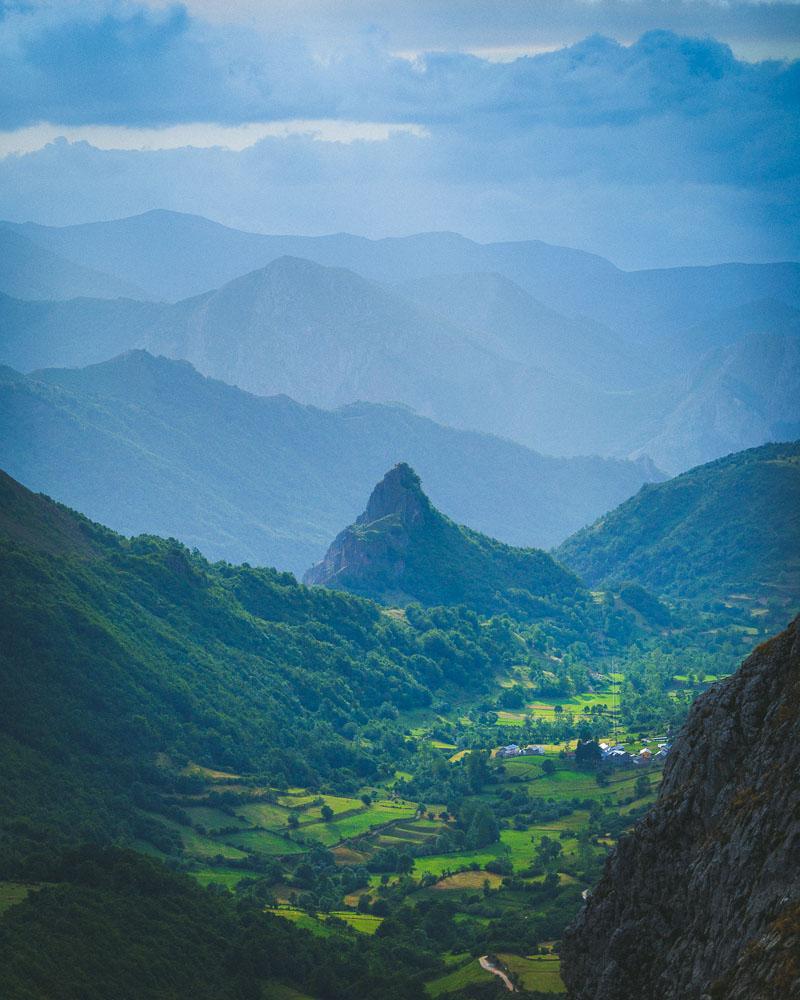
(617, 754)
(512, 750)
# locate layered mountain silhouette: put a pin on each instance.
(173, 255)
(147, 444)
(554, 348)
(401, 549)
(327, 336)
(725, 531)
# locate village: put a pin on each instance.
(616, 754)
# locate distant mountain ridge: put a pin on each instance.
(552, 347)
(401, 549)
(174, 256)
(31, 271)
(328, 336)
(147, 444)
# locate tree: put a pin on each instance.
(293, 820)
(642, 786)
(478, 769)
(327, 813)
(549, 767)
(483, 828)
(588, 754)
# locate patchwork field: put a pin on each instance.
(364, 923)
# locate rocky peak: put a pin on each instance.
(396, 507)
(399, 493)
(702, 900)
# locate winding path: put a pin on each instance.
(496, 971)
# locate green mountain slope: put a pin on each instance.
(118, 654)
(146, 444)
(402, 549)
(729, 527)
(115, 924)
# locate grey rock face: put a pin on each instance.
(399, 503)
(702, 900)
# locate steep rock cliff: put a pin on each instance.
(702, 900)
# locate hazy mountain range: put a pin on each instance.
(554, 348)
(148, 445)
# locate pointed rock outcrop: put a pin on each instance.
(402, 549)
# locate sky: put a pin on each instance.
(653, 132)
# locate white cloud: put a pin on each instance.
(200, 135)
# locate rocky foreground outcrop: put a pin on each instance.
(702, 900)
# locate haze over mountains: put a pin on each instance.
(554, 348)
(147, 444)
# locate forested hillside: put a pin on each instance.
(726, 531)
(118, 654)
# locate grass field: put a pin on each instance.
(265, 814)
(438, 864)
(12, 893)
(212, 819)
(468, 880)
(264, 842)
(337, 803)
(460, 978)
(301, 919)
(229, 877)
(358, 824)
(365, 923)
(198, 844)
(567, 783)
(538, 972)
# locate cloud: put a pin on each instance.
(754, 28)
(409, 184)
(129, 65)
(110, 63)
(665, 149)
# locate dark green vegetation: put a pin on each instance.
(305, 753)
(115, 924)
(725, 535)
(117, 654)
(402, 549)
(145, 444)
